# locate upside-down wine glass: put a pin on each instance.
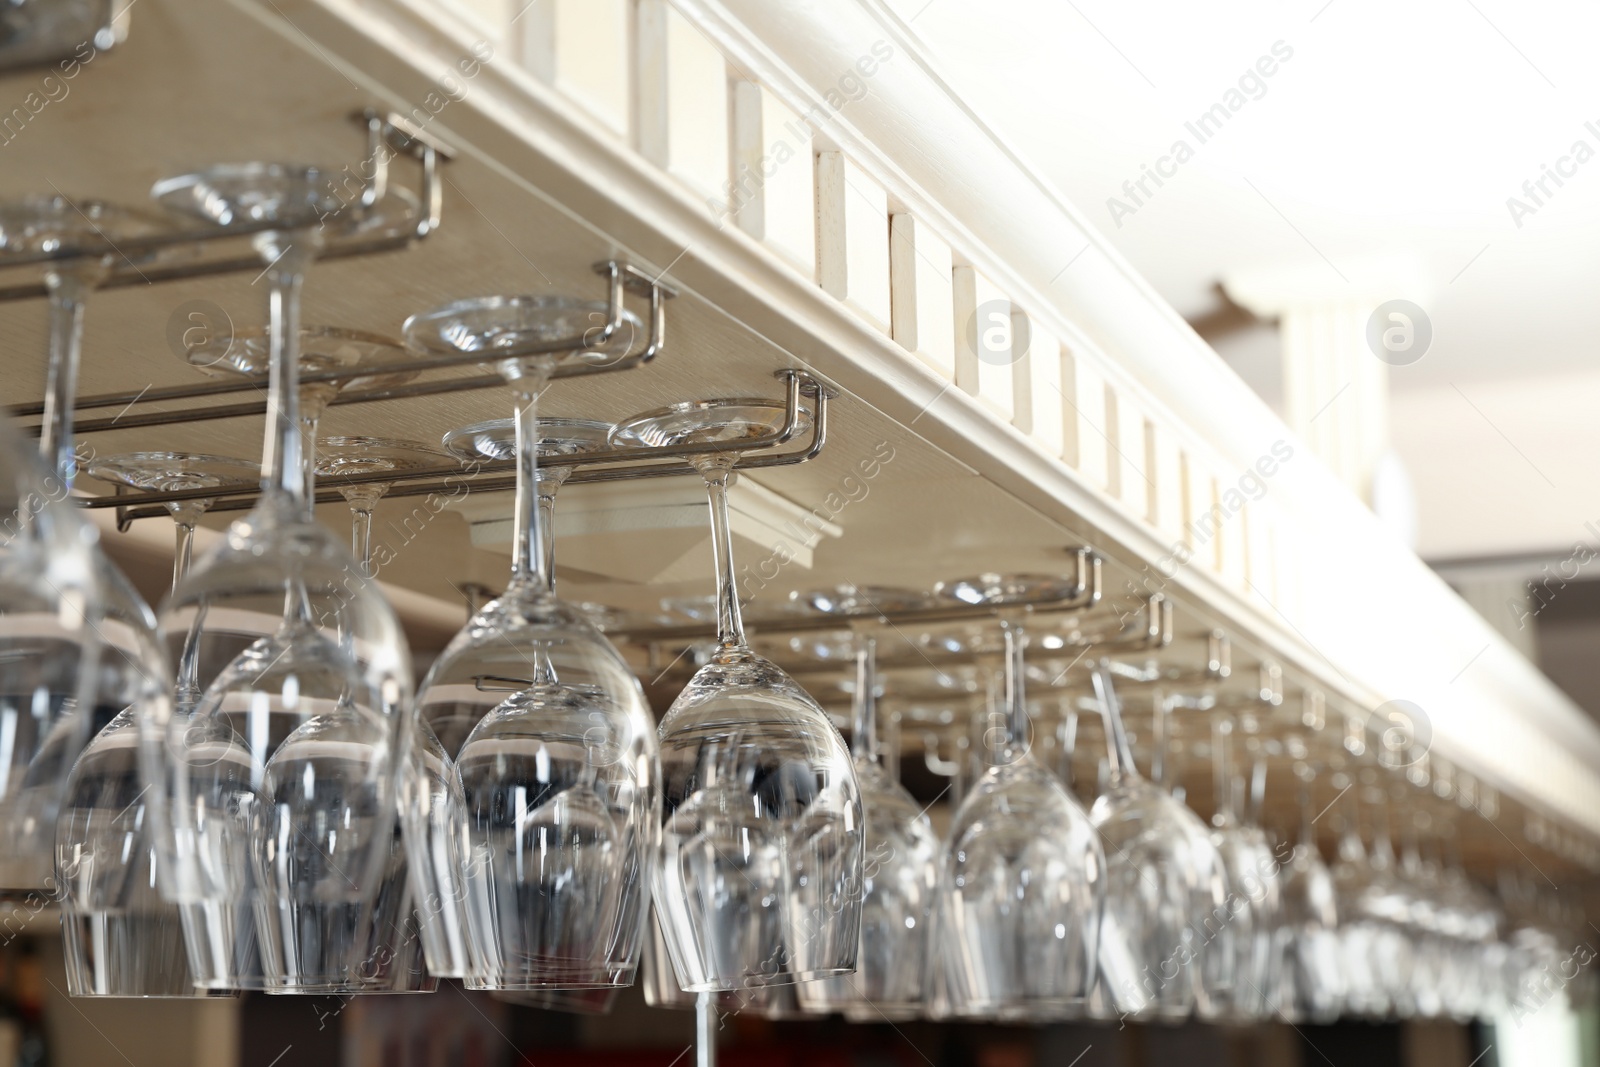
(120, 937)
(100, 844)
(1239, 961)
(359, 454)
(278, 778)
(393, 962)
(1375, 950)
(1023, 884)
(247, 352)
(759, 876)
(1165, 882)
(1310, 979)
(51, 688)
(900, 878)
(403, 921)
(437, 802)
(557, 758)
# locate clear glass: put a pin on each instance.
(434, 801)
(121, 938)
(1022, 891)
(56, 590)
(102, 869)
(552, 738)
(393, 959)
(900, 878)
(358, 454)
(1165, 886)
(311, 202)
(279, 771)
(773, 1000)
(760, 872)
(1311, 978)
(173, 472)
(277, 775)
(1374, 943)
(1239, 966)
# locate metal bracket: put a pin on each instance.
(127, 419)
(135, 260)
(615, 464)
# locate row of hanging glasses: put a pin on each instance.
(1036, 909)
(244, 792)
(233, 825)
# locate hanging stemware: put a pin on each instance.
(1164, 882)
(1310, 977)
(1023, 884)
(901, 875)
(557, 753)
(359, 454)
(278, 779)
(759, 877)
(435, 800)
(1238, 963)
(47, 666)
(121, 939)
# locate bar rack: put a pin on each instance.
(620, 276)
(614, 464)
(156, 258)
(1086, 592)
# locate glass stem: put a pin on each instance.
(1016, 691)
(530, 561)
(864, 735)
(1258, 792)
(187, 690)
(308, 453)
(361, 538)
(1119, 757)
(1159, 732)
(553, 477)
(730, 624)
(1068, 738)
(183, 551)
(1222, 770)
(283, 466)
(1307, 834)
(69, 289)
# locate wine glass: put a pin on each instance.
(434, 797)
(1164, 883)
(392, 963)
(560, 759)
(60, 589)
(1311, 978)
(247, 352)
(174, 472)
(1373, 952)
(278, 778)
(359, 454)
(102, 869)
(759, 877)
(901, 874)
(1023, 885)
(1239, 962)
(121, 939)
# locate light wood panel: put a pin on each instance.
(853, 237)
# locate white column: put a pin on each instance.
(1336, 387)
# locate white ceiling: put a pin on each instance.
(1390, 130)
